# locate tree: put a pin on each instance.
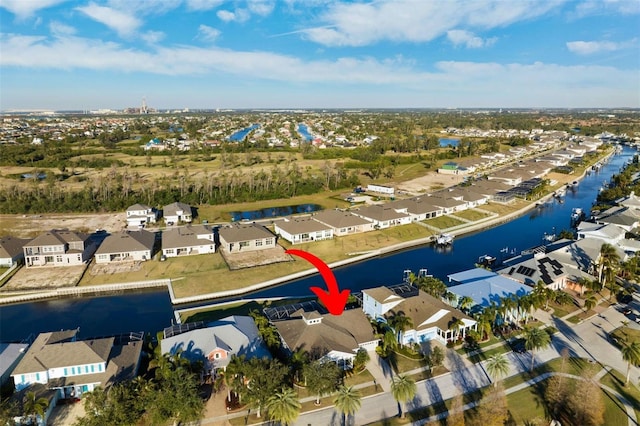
(175, 397)
(497, 367)
(403, 390)
(586, 402)
(556, 394)
(322, 377)
(283, 406)
(360, 360)
(631, 354)
(263, 378)
(535, 339)
(591, 301)
(456, 325)
(400, 322)
(465, 303)
(456, 412)
(435, 357)
(608, 262)
(492, 410)
(33, 406)
(347, 401)
(298, 360)
(562, 297)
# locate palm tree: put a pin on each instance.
(497, 367)
(34, 406)
(631, 354)
(535, 339)
(591, 301)
(465, 303)
(456, 324)
(403, 390)
(609, 260)
(283, 406)
(562, 298)
(400, 322)
(347, 401)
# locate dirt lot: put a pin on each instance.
(44, 278)
(431, 181)
(29, 226)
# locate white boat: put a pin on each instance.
(444, 239)
(576, 214)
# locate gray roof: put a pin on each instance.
(485, 286)
(416, 205)
(380, 294)
(173, 209)
(11, 247)
(380, 212)
(236, 334)
(44, 355)
(126, 241)
(57, 237)
(9, 353)
(301, 225)
(443, 200)
(339, 219)
(335, 332)
(238, 232)
(138, 207)
(186, 236)
(535, 269)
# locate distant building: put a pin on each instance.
(141, 215)
(387, 190)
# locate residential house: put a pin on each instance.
(343, 222)
(333, 337)
(215, 343)
(382, 216)
(538, 268)
(621, 216)
(507, 176)
(418, 208)
(58, 248)
(447, 203)
(468, 196)
(10, 356)
(141, 215)
(11, 251)
(241, 237)
(610, 233)
(298, 230)
(127, 246)
(177, 212)
(432, 319)
(72, 367)
(452, 168)
(485, 288)
(632, 201)
(188, 240)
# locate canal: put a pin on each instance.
(152, 311)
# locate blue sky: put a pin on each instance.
(60, 54)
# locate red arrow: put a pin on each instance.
(334, 299)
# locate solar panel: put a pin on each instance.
(525, 270)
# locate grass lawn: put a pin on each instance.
(355, 379)
(485, 354)
(444, 222)
(561, 311)
(526, 405)
(502, 209)
(615, 380)
(402, 364)
(472, 214)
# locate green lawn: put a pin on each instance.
(472, 214)
(444, 222)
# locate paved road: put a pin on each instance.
(587, 340)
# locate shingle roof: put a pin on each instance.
(56, 238)
(380, 294)
(380, 212)
(416, 205)
(10, 246)
(126, 241)
(173, 209)
(300, 225)
(186, 236)
(244, 232)
(138, 207)
(339, 219)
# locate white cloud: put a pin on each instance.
(122, 23)
(468, 39)
(592, 47)
(153, 37)
(597, 7)
(261, 7)
(26, 8)
(360, 24)
(144, 7)
(208, 33)
(239, 15)
(203, 4)
(60, 29)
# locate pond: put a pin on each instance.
(241, 134)
(449, 142)
(274, 212)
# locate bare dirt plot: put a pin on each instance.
(250, 259)
(30, 226)
(431, 181)
(44, 278)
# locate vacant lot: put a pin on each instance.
(44, 278)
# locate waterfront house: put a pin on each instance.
(468, 196)
(538, 268)
(72, 367)
(188, 240)
(621, 216)
(298, 230)
(447, 203)
(333, 337)
(632, 201)
(432, 319)
(507, 176)
(610, 233)
(418, 208)
(242, 237)
(382, 216)
(11, 251)
(10, 356)
(141, 215)
(58, 248)
(343, 222)
(127, 246)
(485, 288)
(215, 343)
(177, 212)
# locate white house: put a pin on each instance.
(188, 240)
(58, 248)
(141, 215)
(387, 190)
(298, 230)
(126, 246)
(343, 222)
(382, 216)
(11, 251)
(177, 212)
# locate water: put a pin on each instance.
(304, 132)
(152, 311)
(448, 142)
(241, 134)
(274, 212)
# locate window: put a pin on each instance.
(217, 355)
(92, 368)
(48, 259)
(258, 243)
(73, 371)
(268, 241)
(99, 367)
(59, 259)
(244, 244)
(65, 372)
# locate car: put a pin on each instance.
(626, 311)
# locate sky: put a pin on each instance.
(272, 54)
